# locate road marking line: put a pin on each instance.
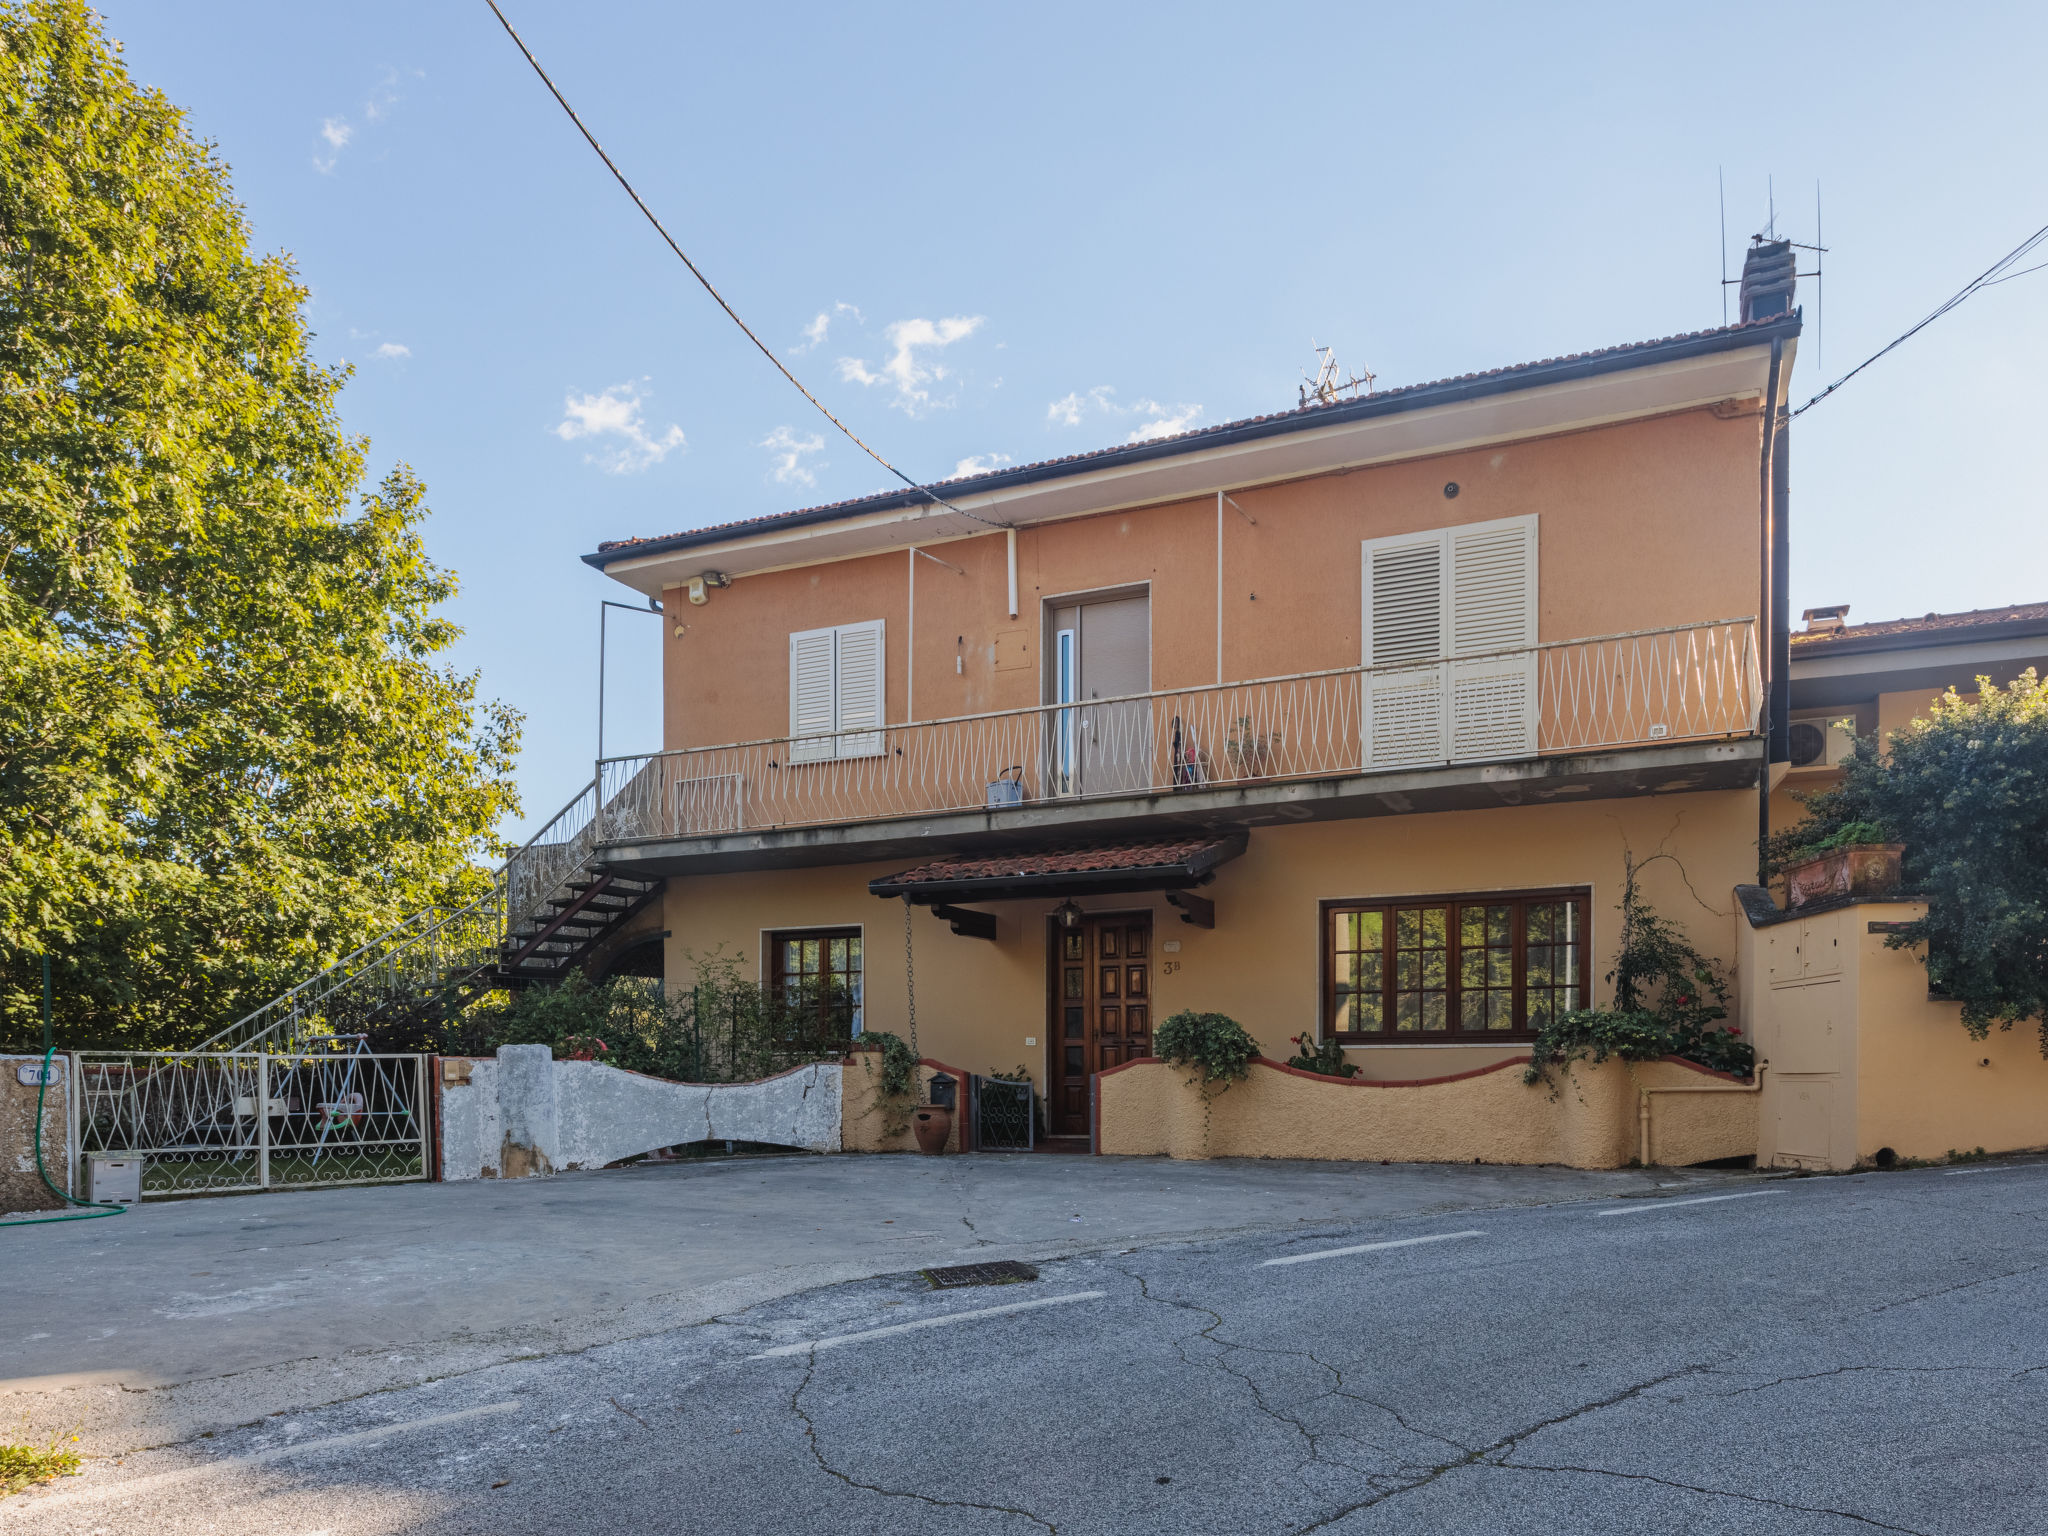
(1338, 1253)
(123, 1489)
(1665, 1205)
(893, 1329)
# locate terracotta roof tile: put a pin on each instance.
(1071, 859)
(1932, 624)
(1304, 415)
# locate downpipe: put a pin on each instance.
(1643, 1105)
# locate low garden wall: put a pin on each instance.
(870, 1123)
(1592, 1119)
(523, 1114)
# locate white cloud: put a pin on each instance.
(907, 371)
(394, 349)
(615, 415)
(1157, 419)
(815, 331)
(338, 132)
(1166, 420)
(789, 451)
(980, 464)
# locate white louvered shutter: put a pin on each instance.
(813, 694)
(860, 689)
(1492, 606)
(1403, 625)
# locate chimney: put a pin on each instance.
(1825, 621)
(1768, 279)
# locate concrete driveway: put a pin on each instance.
(1806, 1357)
(185, 1317)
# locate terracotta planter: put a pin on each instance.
(933, 1127)
(1861, 871)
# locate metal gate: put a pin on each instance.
(1004, 1114)
(204, 1122)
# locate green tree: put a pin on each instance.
(227, 753)
(1966, 790)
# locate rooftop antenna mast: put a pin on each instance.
(1721, 186)
(1325, 388)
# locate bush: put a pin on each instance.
(1963, 789)
(1668, 1001)
(1215, 1044)
(724, 1029)
(1327, 1058)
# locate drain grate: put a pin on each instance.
(1003, 1272)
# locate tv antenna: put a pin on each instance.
(1325, 388)
(1770, 232)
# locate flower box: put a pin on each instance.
(1858, 872)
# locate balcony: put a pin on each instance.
(1651, 711)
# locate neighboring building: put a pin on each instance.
(1851, 680)
(1340, 720)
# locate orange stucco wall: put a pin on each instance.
(1643, 524)
(983, 1005)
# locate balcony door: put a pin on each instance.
(1097, 649)
(1449, 628)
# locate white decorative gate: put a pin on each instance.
(213, 1121)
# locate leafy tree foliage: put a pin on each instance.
(227, 754)
(1966, 790)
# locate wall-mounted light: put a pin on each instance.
(698, 585)
(1069, 915)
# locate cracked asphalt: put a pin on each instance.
(1823, 1355)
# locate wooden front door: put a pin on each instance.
(1101, 1008)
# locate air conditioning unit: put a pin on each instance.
(1822, 743)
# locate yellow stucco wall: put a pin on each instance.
(1589, 1120)
(866, 1119)
(983, 1006)
(1862, 1059)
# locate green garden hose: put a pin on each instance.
(93, 1208)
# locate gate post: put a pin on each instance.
(263, 1121)
(74, 1097)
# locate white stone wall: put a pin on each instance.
(526, 1115)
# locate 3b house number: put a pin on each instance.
(1169, 966)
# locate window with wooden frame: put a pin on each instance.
(1448, 968)
(818, 969)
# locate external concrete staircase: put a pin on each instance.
(549, 906)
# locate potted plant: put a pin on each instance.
(1251, 753)
(1854, 862)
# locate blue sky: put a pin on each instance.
(1025, 231)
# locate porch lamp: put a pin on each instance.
(1069, 915)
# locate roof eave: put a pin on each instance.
(1451, 392)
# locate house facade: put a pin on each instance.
(1344, 721)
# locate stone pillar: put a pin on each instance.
(526, 1107)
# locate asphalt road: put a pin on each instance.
(1826, 1355)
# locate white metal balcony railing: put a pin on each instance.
(1685, 683)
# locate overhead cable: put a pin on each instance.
(1984, 280)
(641, 203)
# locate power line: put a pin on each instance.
(1985, 279)
(640, 203)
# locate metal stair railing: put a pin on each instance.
(429, 955)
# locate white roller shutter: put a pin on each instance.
(1492, 605)
(1429, 600)
(860, 689)
(813, 694)
(835, 692)
(1403, 628)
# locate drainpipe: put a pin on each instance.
(1774, 611)
(1756, 1084)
